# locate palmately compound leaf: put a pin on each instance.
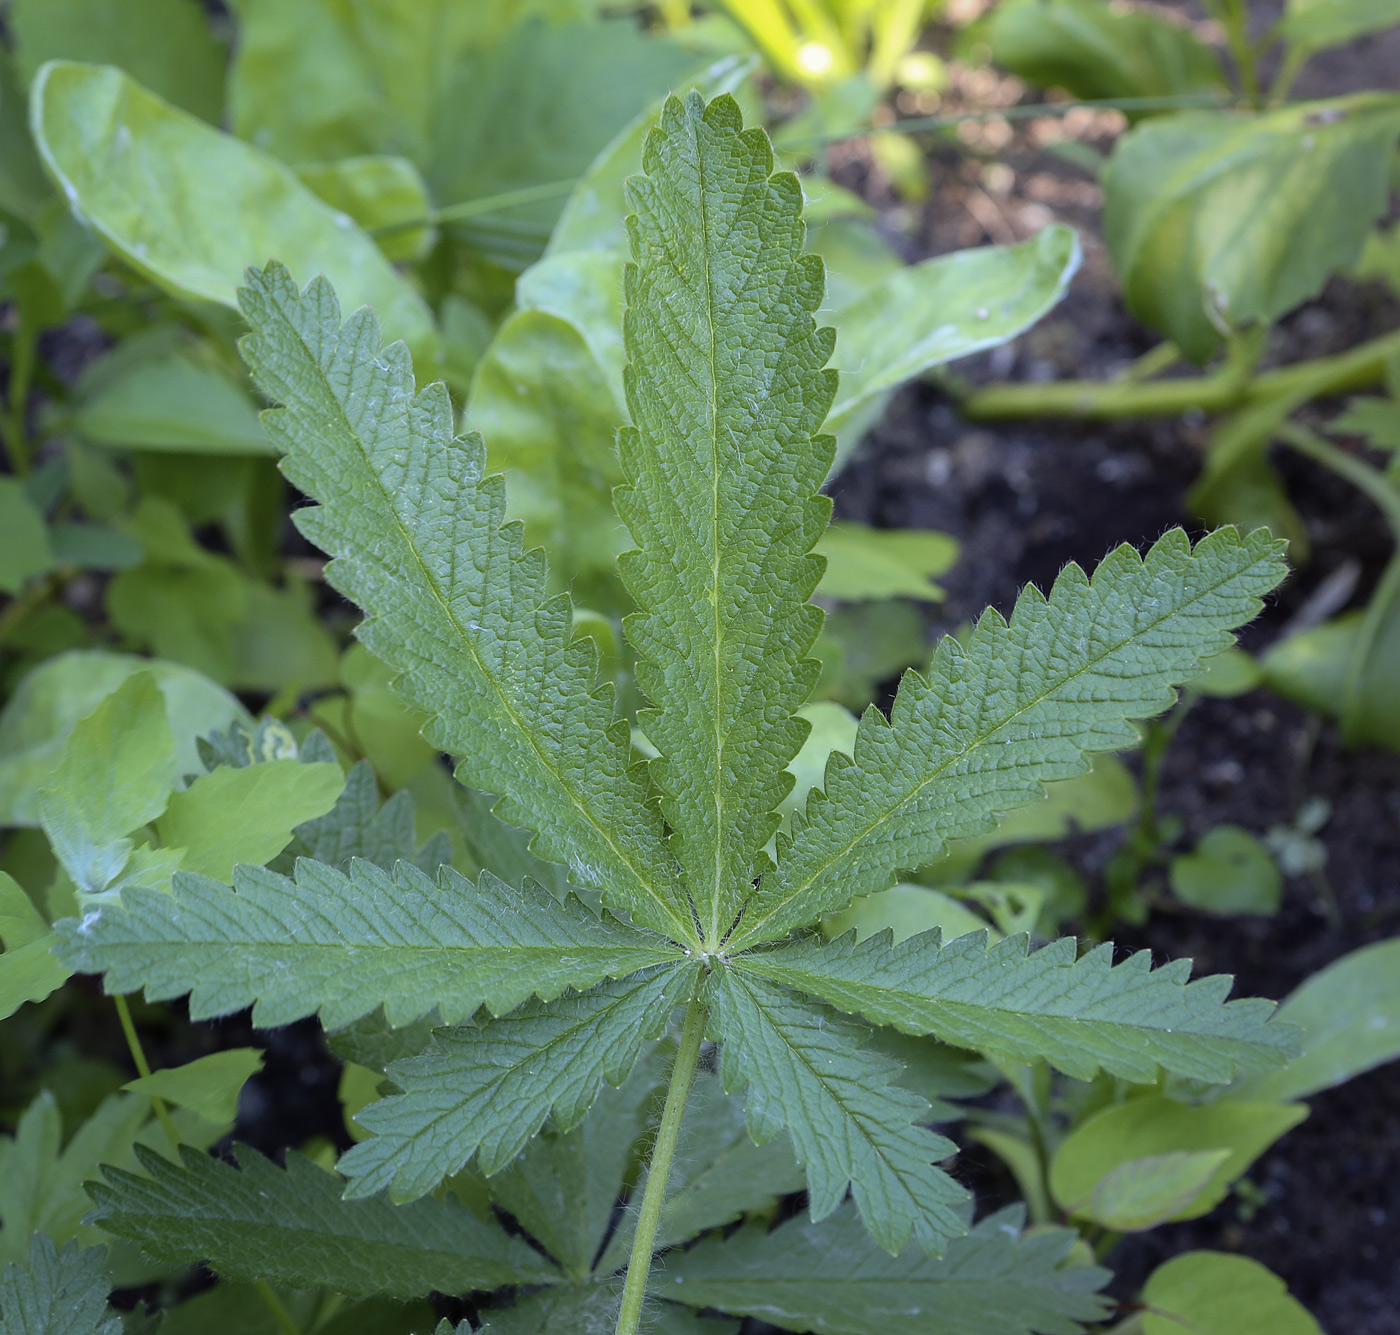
(726, 392)
(485, 1090)
(850, 1123)
(452, 601)
(1024, 703)
(57, 1292)
(828, 1277)
(339, 945)
(1082, 1014)
(290, 1226)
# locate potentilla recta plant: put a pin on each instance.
(702, 908)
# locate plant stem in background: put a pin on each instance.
(143, 1068)
(22, 350)
(274, 1305)
(659, 1170)
(1370, 481)
(1232, 386)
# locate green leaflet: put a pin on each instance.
(25, 549)
(726, 391)
(486, 1090)
(592, 1310)
(167, 45)
(1025, 703)
(209, 1085)
(339, 945)
(189, 207)
(1214, 1293)
(478, 644)
(828, 1277)
(292, 1227)
(58, 1292)
(115, 775)
(361, 826)
(1082, 1014)
(1225, 218)
(28, 969)
(849, 1123)
(246, 815)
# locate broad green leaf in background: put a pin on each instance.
(865, 562)
(167, 46)
(357, 941)
(56, 1292)
(484, 1092)
(209, 1085)
(953, 755)
(29, 971)
(1345, 669)
(191, 208)
(231, 1308)
(593, 218)
(246, 815)
(1227, 218)
(169, 402)
(829, 1277)
(540, 401)
(1080, 1013)
(533, 109)
(319, 80)
(24, 541)
(1153, 1125)
(1215, 1293)
(381, 193)
(851, 1125)
(46, 705)
(722, 467)
(115, 775)
(1349, 1014)
(290, 1226)
(1093, 50)
(948, 307)
(1229, 872)
(1314, 24)
(480, 645)
(1142, 1193)
(905, 910)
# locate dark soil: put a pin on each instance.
(1025, 498)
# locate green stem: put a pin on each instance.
(659, 1170)
(143, 1068)
(1370, 481)
(273, 1303)
(1293, 62)
(33, 596)
(1236, 19)
(22, 351)
(1153, 363)
(1229, 387)
(477, 208)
